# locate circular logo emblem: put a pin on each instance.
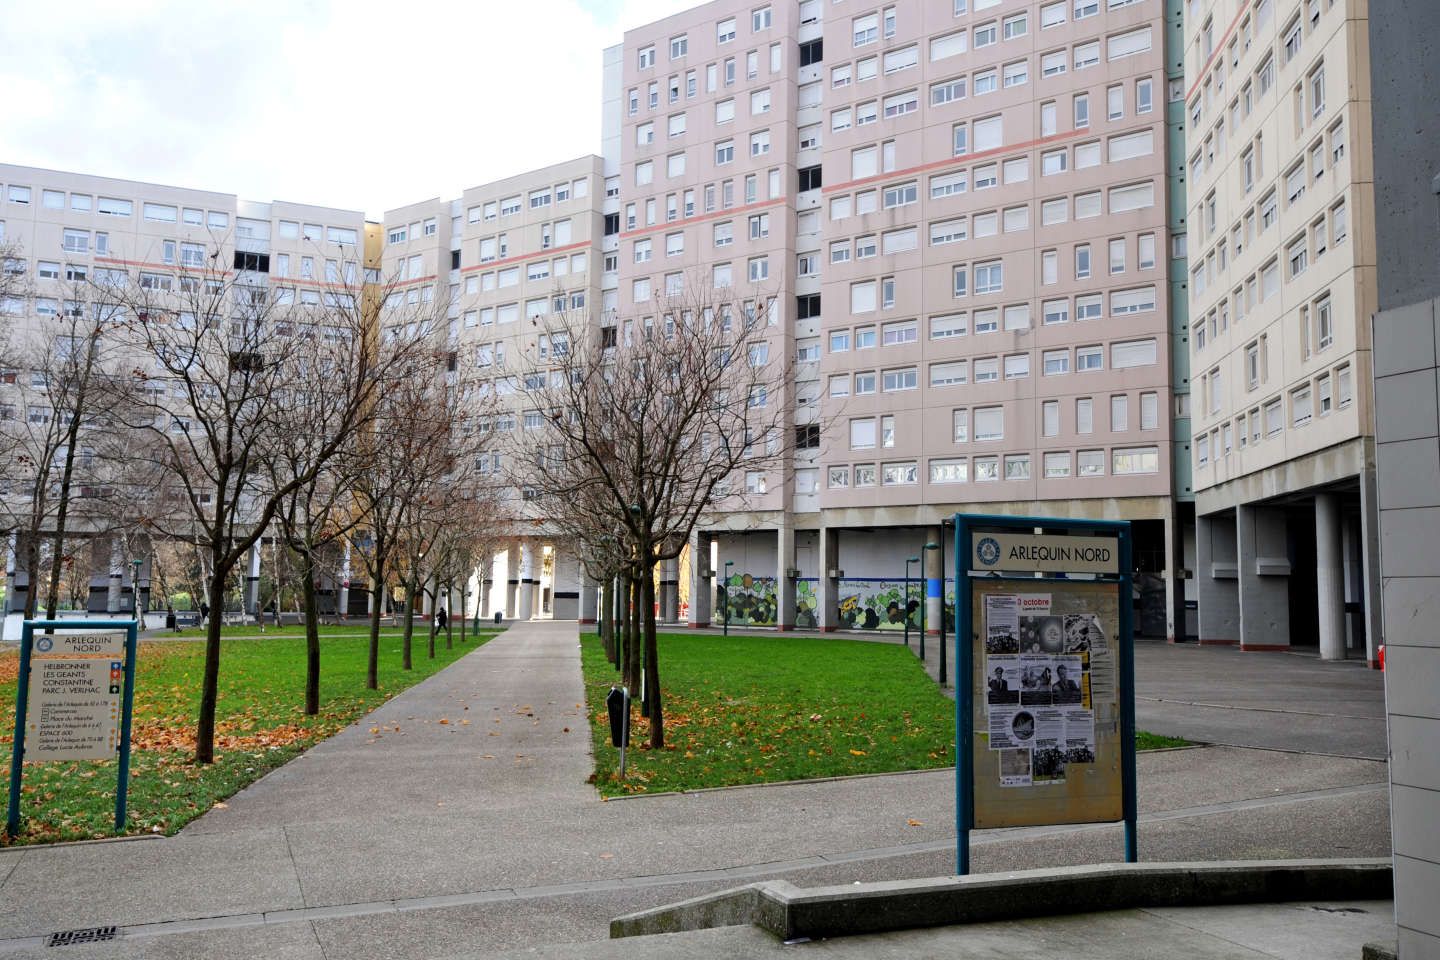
(988, 551)
(44, 644)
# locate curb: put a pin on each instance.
(793, 913)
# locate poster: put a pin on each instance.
(1039, 703)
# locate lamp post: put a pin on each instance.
(925, 601)
(728, 565)
(905, 603)
(944, 640)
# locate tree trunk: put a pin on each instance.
(32, 564)
(434, 621)
(312, 635)
(607, 620)
(377, 603)
(462, 612)
(653, 707)
(450, 619)
(409, 625)
(635, 659)
(210, 681)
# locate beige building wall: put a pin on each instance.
(1281, 237)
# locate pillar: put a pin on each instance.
(1264, 574)
(670, 590)
(827, 587)
(117, 577)
(1329, 577)
(1174, 586)
(14, 595)
(589, 600)
(1371, 607)
(784, 582)
(1216, 580)
(252, 581)
(934, 563)
(342, 595)
(525, 609)
(702, 580)
(512, 581)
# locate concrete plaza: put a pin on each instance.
(408, 837)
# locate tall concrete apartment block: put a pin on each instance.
(75, 228)
(959, 210)
(1282, 279)
(504, 259)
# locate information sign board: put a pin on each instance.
(1045, 698)
(74, 710)
(110, 644)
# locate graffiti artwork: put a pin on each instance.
(882, 605)
(807, 604)
(751, 600)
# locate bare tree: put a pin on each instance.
(221, 368)
(656, 428)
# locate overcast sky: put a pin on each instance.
(348, 103)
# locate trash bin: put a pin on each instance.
(170, 620)
(499, 617)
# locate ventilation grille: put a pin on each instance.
(66, 938)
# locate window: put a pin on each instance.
(1087, 55)
(948, 470)
(1052, 15)
(1138, 300)
(1017, 366)
(906, 378)
(679, 46)
(895, 334)
(1089, 358)
(647, 57)
(1015, 26)
(989, 423)
(1324, 323)
(987, 369)
(1055, 362)
(989, 277)
(902, 59)
(1127, 44)
(1015, 74)
(760, 19)
(1133, 353)
(1144, 95)
(862, 433)
(961, 425)
(947, 91)
(1128, 460)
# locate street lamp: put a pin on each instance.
(728, 565)
(944, 639)
(925, 603)
(905, 603)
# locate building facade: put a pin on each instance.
(953, 219)
(1281, 288)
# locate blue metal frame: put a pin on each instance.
(965, 525)
(22, 698)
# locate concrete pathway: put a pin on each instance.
(406, 836)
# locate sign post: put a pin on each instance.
(1045, 679)
(75, 688)
(617, 701)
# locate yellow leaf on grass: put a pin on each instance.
(857, 753)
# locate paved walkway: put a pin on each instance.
(406, 836)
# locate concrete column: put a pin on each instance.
(702, 580)
(1354, 580)
(342, 594)
(1264, 567)
(117, 577)
(784, 583)
(512, 581)
(1329, 577)
(526, 607)
(1170, 574)
(827, 589)
(1217, 595)
(1372, 613)
(670, 590)
(934, 565)
(14, 599)
(589, 600)
(252, 581)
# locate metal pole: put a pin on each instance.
(17, 753)
(944, 641)
(122, 789)
(1127, 698)
(728, 565)
(964, 710)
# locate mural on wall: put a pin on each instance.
(751, 600)
(807, 604)
(875, 604)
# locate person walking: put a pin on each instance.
(441, 619)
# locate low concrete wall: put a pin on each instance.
(791, 912)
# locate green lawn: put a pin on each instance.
(764, 709)
(259, 719)
(352, 629)
(751, 709)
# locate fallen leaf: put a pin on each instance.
(222, 806)
(915, 823)
(857, 753)
(444, 721)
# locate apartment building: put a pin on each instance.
(956, 213)
(504, 260)
(74, 231)
(1281, 290)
